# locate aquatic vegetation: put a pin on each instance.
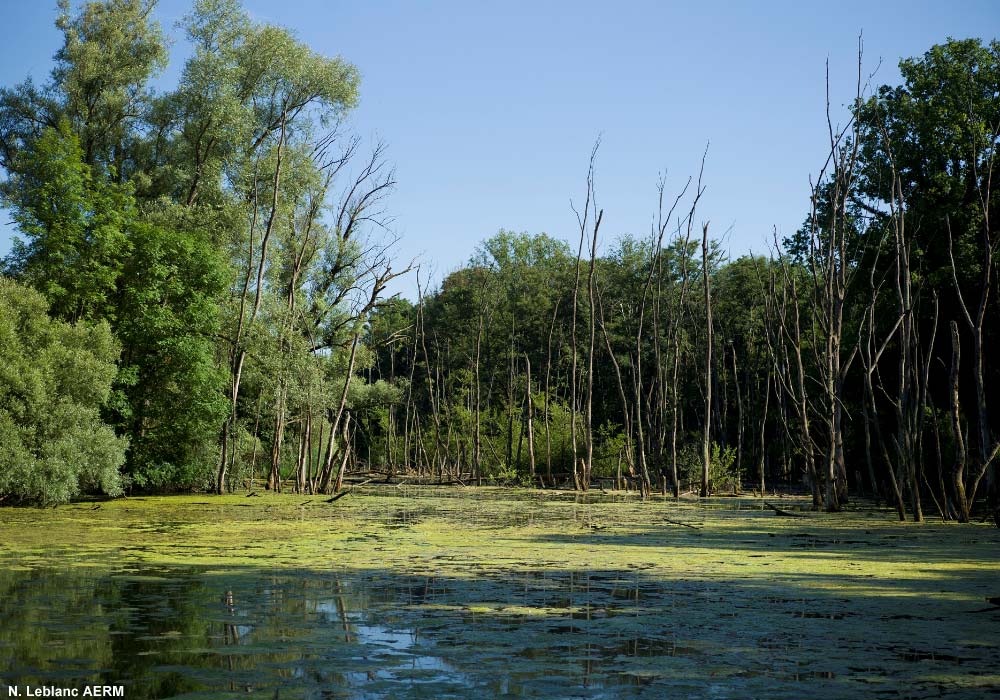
(486, 592)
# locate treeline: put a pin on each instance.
(196, 300)
(853, 357)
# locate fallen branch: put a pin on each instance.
(343, 493)
(783, 513)
(678, 522)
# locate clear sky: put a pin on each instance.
(490, 111)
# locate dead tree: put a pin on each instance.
(239, 351)
(545, 408)
(676, 326)
(829, 234)
(785, 348)
(706, 445)
(580, 481)
(988, 448)
(662, 222)
(529, 409)
(377, 276)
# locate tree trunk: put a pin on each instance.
(958, 469)
(706, 445)
(529, 407)
(346, 454)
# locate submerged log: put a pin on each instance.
(343, 493)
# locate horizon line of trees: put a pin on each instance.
(197, 299)
(851, 358)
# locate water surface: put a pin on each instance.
(471, 594)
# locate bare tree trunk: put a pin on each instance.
(947, 511)
(274, 480)
(410, 406)
(573, 351)
(706, 445)
(988, 449)
(346, 454)
(529, 407)
(654, 264)
(763, 424)
(793, 383)
(477, 446)
(589, 467)
(739, 425)
(314, 457)
(676, 327)
(240, 352)
(431, 393)
(324, 482)
(510, 399)
(300, 470)
(958, 470)
(832, 274)
(675, 409)
(548, 372)
(907, 401)
(626, 420)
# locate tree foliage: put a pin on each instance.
(54, 379)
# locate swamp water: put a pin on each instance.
(480, 593)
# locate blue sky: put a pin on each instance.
(490, 111)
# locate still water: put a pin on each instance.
(165, 632)
(432, 603)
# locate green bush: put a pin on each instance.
(722, 474)
(54, 378)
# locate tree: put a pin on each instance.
(54, 379)
(156, 279)
(99, 84)
(931, 144)
(706, 445)
(75, 223)
(167, 319)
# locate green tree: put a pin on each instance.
(171, 382)
(75, 225)
(99, 83)
(53, 381)
(157, 279)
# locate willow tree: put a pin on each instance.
(250, 126)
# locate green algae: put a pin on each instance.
(400, 591)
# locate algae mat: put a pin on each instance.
(471, 593)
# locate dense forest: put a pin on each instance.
(198, 298)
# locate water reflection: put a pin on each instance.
(198, 632)
(170, 632)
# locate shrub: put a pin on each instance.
(54, 378)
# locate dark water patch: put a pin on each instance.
(818, 615)
(810, 675)
(915, 656)
(166, 631)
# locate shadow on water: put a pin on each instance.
(197, 631)
(473, 594)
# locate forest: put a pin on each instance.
(239, 457)
(200, 298)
